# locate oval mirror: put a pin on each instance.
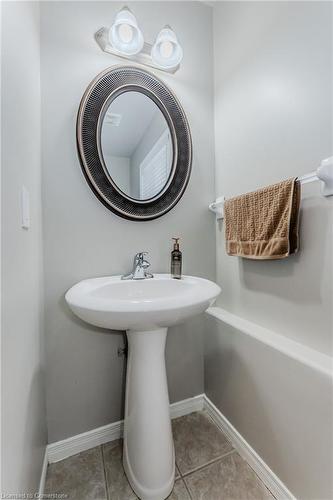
(134, 143)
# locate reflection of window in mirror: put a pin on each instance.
(136, 145)
(155, 167)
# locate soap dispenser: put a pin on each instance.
(176, 260)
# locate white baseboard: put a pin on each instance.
(187, 406)
(270, 480)
(43, 475)
(81, 442)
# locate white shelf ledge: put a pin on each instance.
(306, 355)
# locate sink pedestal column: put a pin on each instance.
(149, 458)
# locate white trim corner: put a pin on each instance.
(42, 481)
(187, 406)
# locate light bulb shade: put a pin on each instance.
(125, 34)
(166, 51)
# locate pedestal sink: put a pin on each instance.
(145, 309)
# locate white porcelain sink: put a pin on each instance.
(145, 309)
(140, 304)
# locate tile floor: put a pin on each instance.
(208, 468)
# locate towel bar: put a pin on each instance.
(324, 174)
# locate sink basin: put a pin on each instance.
(145, 309)
(140, 304)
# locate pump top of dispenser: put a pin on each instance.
(176, 243)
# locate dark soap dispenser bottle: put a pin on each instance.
(176, 260)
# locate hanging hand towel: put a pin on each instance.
(264, 224)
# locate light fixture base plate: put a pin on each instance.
(144, 57)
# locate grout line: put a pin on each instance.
(105, 480)
(178, 470)
(259, 479)
(221, 457)
(187, 489)
(269, 491)
(181, 478)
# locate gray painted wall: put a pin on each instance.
(273, 120)
(85, 378)
(273, 97)
(22, 365)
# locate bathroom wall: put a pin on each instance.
(273, 102)
(273, 96)
(85, 378)
(22, 365)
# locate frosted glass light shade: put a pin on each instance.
(166, 51)
(125, 34)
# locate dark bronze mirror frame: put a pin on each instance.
(101, 92)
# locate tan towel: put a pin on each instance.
(264, 224)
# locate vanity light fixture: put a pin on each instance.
(166, 51)
(124, 39)
(125, 34)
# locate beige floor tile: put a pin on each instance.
(179, 491)
(80, 477)
(197, 441)
(117, 484)
(212, 469)
(227, 479)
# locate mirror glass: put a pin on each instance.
(136, 145)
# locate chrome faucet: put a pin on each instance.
(140, 266)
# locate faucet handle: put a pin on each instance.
(140, 256)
